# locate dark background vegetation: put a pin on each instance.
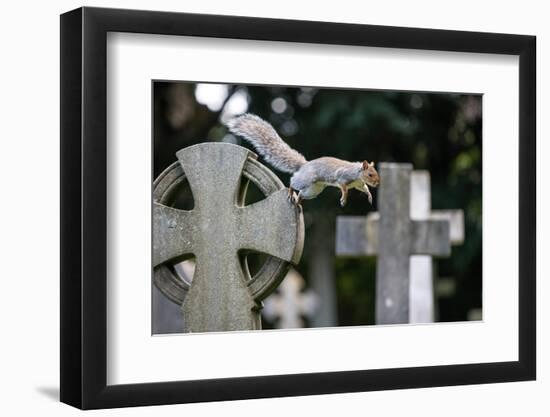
(438, 132)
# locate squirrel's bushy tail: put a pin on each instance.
(267, 142)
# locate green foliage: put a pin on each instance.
(356, 290)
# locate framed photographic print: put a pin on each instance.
(258, 208)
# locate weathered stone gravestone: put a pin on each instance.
(403, 227)
(291, 303)
(222, 295)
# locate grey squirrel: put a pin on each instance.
(309, 178)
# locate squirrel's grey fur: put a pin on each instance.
(267, 142)
(309, 177)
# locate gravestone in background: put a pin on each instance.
(290, 303)
(396, 233)
(422, 286)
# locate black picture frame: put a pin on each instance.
(84, 207)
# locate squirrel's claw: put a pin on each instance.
(293, 197)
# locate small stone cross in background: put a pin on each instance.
(291, 303)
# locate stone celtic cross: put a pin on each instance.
(222, 295)
(394, 234)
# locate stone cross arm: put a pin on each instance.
(358, 235)
(428, 237)
(265, 227)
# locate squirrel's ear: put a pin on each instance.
(372, 164)
(365, 164)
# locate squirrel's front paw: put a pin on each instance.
(342, 202)
(369, 196)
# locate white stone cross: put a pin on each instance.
(291, 303)
(397, 234)
(421, 268)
